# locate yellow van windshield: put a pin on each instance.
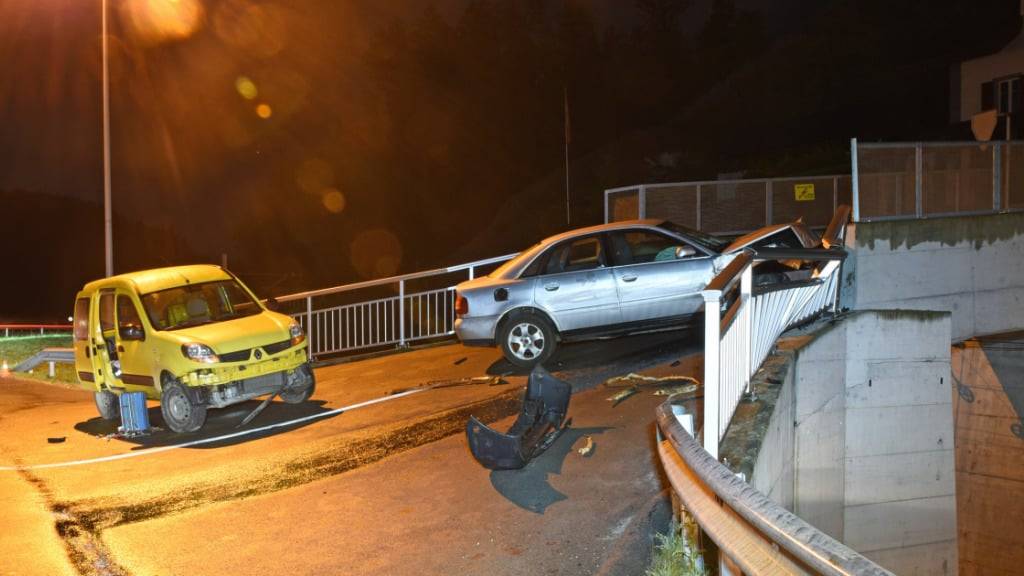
(198, 304)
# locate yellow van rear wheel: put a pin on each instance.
(181, 412)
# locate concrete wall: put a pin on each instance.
(819, 405)
(970, 266)
(860, 443)
(900, 498)
(773, 469)
(990, 454)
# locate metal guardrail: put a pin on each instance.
(752, 533)
(731, 207)
(33, 329)
(741, 325)
(912, 180)
(49, 355)
(393, 320)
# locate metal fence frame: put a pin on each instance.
(768, 183)
(381, 322)
(999, 204)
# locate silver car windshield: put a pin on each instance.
(706, 240)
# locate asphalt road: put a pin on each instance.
(382, 489)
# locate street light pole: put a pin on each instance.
(107, 216)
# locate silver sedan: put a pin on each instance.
(607, 280)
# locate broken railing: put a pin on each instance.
(742, 323)
(752, 534)
(394, 311)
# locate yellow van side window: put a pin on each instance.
(106, 312)
(127, 315)
(82, 319)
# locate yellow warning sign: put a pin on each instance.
(804, 192)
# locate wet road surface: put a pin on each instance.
(83, 507)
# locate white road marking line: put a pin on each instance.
(214, 439)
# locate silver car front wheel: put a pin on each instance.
(527, 340)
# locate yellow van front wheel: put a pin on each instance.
(181, 412)
(108, 405)
(302, 384)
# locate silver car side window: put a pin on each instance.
(642, 247)
(576, 255)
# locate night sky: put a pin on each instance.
(318, 142)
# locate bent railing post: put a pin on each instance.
(712, 343)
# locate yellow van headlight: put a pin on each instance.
(199, 353)
(298, 337)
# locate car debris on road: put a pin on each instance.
(622, 395)
(540, 422)
(588, 447)
(667, 385)
(634, 379)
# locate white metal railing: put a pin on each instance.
(393, 320)
(910, 180)
(741, 325)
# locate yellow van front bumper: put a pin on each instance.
(227, 373)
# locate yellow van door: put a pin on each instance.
(135, 356)
(104, 340)
(83, 345)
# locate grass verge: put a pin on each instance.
(676, 555)
(14, 349)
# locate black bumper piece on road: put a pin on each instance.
(539, 423)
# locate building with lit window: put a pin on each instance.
(992, 83)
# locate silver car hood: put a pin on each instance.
(806, 237)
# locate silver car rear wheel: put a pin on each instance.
(527, 340)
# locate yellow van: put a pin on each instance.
(192, 337)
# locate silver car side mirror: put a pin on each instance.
(685, 251)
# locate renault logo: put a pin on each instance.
(259, 354)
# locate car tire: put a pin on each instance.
(527, 339)
(181, 412)
(303, 388)
(108, 405)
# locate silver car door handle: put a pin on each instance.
(551, 286)
(629, 278)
